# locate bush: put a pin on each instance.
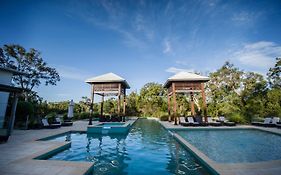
(164, 118)
(24, 109)
(237, 118)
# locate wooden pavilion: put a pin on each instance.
(108, 84)
(185, 83)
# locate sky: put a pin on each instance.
(142, 41)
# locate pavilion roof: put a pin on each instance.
(108, 78)
(186, 77)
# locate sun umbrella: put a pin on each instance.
(70, 109)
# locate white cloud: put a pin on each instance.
(72, 73)
(167, 46)
(242, 17)
(177, 70)
(260, 54)
(184, 63)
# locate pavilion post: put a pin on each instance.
(119, 100)
(192, 103)
(124, 105)
(204, 101)
(92, 105)
(101, 107)
(175, 103)
(169, 108)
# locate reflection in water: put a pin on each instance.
(110, 155)
(147, 149)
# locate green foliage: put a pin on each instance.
(30, 62)
(164, 118)
(274, 75)
(273, 103)
(23, 110)
(237, 118)
(151, 101)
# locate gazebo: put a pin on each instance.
(108, 84)
(185, 83)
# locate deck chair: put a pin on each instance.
(213, 123)
(47, 125)
(183, 122)
(64, 123)
(199, 119)
(226, 122)
(266, 123)
(191, 121)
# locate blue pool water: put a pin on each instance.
(235, 145)
(146, 149)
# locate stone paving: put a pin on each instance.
(16, 156)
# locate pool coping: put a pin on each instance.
(97, 128)
(258, 168)
(80, 167)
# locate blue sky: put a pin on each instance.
(142, 41)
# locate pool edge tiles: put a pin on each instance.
(265, 167)
(111, 128)
(205, 160)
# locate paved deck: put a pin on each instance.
(260, 168)
(16, 156)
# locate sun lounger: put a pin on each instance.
(226, 122)
(275, 120)
(278, 125)
(47, 125)
(64, 123)
(191, 121)
(200, 121)
(183, 122)
(266, 123)
(213, 123)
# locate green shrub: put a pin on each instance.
(24, 109)
(237, 118)
(164, 118)
(84, 115)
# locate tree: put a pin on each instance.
(151, 101)
(274, 75)
(132, 104)
(31, 63)
(222, 90)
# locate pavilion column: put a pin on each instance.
(169, 108)
(92, 105)
(119, 100)
(124, 105)
(204, 101)
(175, 103)
(13, 114)
(101, 106)
(192, 103)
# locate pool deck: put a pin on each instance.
(260, 168)
(18, 153)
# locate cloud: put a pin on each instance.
(72, 73)
(184, 63)
(177, 70)
(167, 46)
(260, 54)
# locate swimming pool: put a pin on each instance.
(147, 149)
(235, 145)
